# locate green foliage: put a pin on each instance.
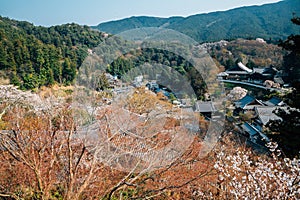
(68, 71)
(172, 97)
(267, 21)
(157, 56)
(120, 66)
(102, 82)
(33, 56)
(251, 64)
(292, 60)
(134, 22)
(288, 128)
(291, 65)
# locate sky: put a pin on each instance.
(93, 12)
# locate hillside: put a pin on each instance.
(136, 22)
(270, 21)
(33, 56)
(252, 53)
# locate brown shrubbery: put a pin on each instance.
(44, 156)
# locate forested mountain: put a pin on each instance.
(270, 21)
(136, 22)
(33, 56)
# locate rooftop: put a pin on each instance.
(266, 113)
(274, 101)
(254, 134)
(204, 107)
(247, 100)
(249, 129)
(237, 72)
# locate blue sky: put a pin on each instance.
(92, 12)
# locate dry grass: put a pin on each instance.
(4, 81)
(56, 90)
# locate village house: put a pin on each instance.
(262, 112)
(206, 108)
(247, 103)
(267, 113)
(256, 75)
(254, 134)
(274, 101)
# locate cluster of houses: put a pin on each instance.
(260, 114)
(156, 88)
(268, 76)
(261, 111)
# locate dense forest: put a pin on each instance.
(33, 56)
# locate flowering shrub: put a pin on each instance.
(242, 175)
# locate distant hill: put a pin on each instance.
(269, 21)
(114, 27)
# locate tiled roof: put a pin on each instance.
(265, 113)
(254, 134)
(244, 101)
(274, 101)
(204, 107)
(249, 129)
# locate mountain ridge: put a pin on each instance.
(269, 21)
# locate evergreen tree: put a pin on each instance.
(35, 56)
(288, 128)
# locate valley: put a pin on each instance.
(198, 107)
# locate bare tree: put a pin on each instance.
(124, 151)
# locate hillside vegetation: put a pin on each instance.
(33, 56)
(250, 52)
(270, 21)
